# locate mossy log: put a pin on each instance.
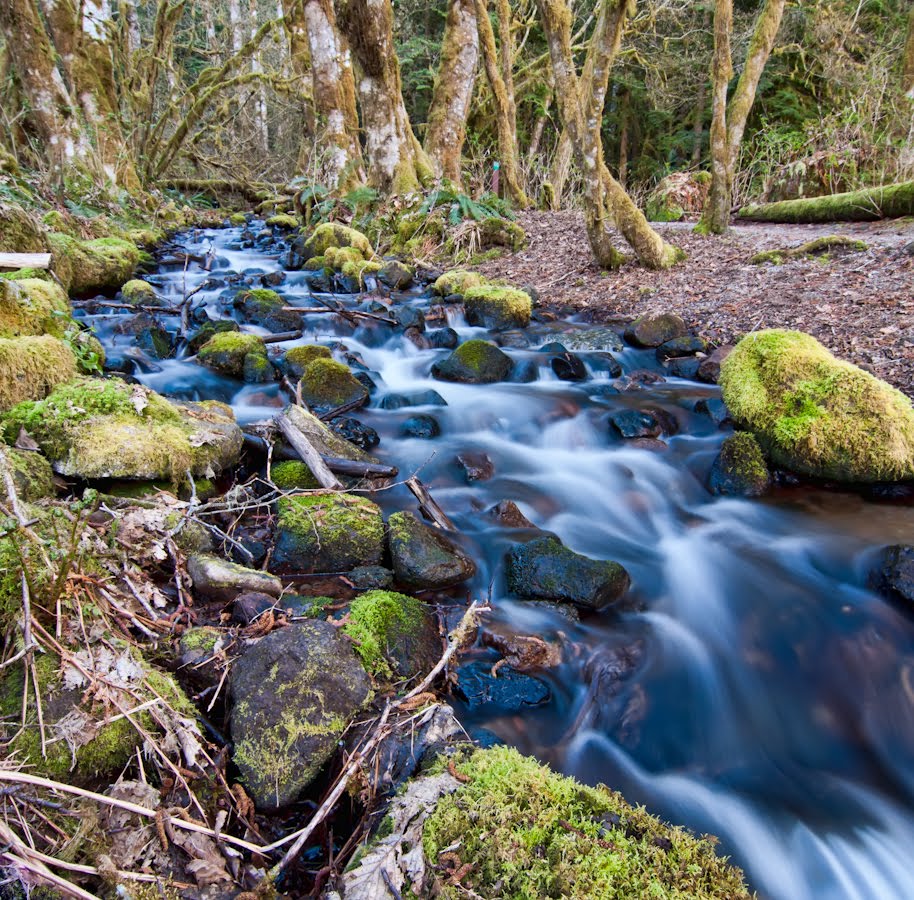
(868, 205)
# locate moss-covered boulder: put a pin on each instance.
(282, 222)
(327, 384)
(32, 474)
(395, 636)
(86, 267)
(424, 557)
(294, 693)
(652, 330)
(31, 367)
(100, 428)
(544, 569)
(492, 306)
(32, 306)
(739, 470)
(296, 360)
(676, 195)
(456, 282)
(237, 354)
(137, 292)
(327, 532)
(474, 362)
(208, 330)
(332, 234)
(815, 414)
(497, 232)
(516, 829)
(266, 308)
(292, 474)
(20, 231)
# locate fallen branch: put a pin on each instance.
(345, 313)
(308, 452)
(428, 505)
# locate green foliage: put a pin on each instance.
(461, 207)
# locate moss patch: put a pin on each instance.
(32, 306)
(529, 833)
(474, 362)
(20, 231)
(332, 234)
(237, 354)
(294, 475)
(497, 232)
(377, 622)
(821, 247)
(31, 367)
(492, 306)
(298, 359)
(85, 267)
(283, 221)
(456, 282)
(328, 383)
(140, 293)
(816, 414)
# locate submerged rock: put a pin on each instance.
(424, 557)
(635, 423)
(474, 362)
(294, 693)
(508, 690)
(543, 569)
(218, 579)
(654, 330)
(421, 426)
(815, 414)
(739, 470)
(893, 576)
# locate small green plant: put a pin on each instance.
(463, 207)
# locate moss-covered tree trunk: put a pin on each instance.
(505, 114)
(397, 164)
(447, 116)
(333, 87)
(907, 68)
(729, 119)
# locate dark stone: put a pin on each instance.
(265, 308)
(395, 275)
(476, 465)
(410, 317)
(715, 409)
(508, 513)
(893, 575)
(709, 367)
(543, 569)
(739, 470)
(248, 606)
(355, 432)
(526, 371)
(371, 578)
(474, 362)
(421, 426)
(417, 398)
(424, 557)
(417, 338)
(443, 339)
(273, 279)
(294, 693)
(365, 379)
(604, 362)
(508, 690)
(681, 346)
(654, 330)
(569, 367)
(635, 423)
(684, 367)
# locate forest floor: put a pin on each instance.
(860, 305)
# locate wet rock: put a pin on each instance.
(553, 347)
(543, 569)
(396, 275)
(525, 371)
(327, 532)
(635, 423)
(593, 339)
(474, 362)
(295, 361)
(417, 338)
(218, 579)
(645, 443)
(443, 339)
(893, 575)
(273, 279)
(266, 308)
(327, 384)
(477, 466)
(688, 345)
(508, 513)
(424, 557)
(494, 307)
(250, 605)
(508, 690)
(569, 367)
(421, 426)
(149, 335)
(637, 380)
(410, 317)
(739, 470)
(604, 362)
(709, 367)
(684, 367)
(654, 330)
(239, 355)
(417, 398)
(207, 330)
(366, 381)
(369, 578)
(294, 693)
(355, 432)
(715, 409)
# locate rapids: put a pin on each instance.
(755, 689)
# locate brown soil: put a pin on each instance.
(860, 305)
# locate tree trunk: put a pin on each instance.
(261, 133)
(868, 205)
(505, 117)
(447, 115)
(333, 87)
(397, 164)
(907, 73)
(624, 136)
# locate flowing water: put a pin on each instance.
(755, 689)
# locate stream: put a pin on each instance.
(753, 688)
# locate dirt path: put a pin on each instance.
(861, 305)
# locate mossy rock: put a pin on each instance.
(424, 557)
(359, 269)
(332, 234)
(520, 830)
(652, 330)
(86, 267)
(31, 367)
(299, 358)
(20, 231)
(238, 219)
(337, 257)
(292, 474)
(474, 362)
(815, 414)
(99, 428)
(208, 330)
(31, 306)
(32, 474)
(396, 275)
(395, 636)
(237, 354)
(327, 532)
(327, 384)
(294, 693)
(739, 470)
(140, 293)
(492, 306)
(456, 282)
(283, 222)
(498, 232)
(266, 308)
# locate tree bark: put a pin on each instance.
(447, 116)
(505, 115)
(907, 74)
(397, 164)
(624, 136)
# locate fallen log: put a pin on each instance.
(25, 260)
(337, 464)
(345, 313)
(428, 505)
(868, 205)
(281, 336)
(306, 450)
(217, 187)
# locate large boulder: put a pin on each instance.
(815, 414)
(32, 306)
(457, 281)
(294, 693)
(327, 532)
(87, 267)
(330, 235)
(238, 355)
(20, 231)
(296, 360)
(31, 367)
(544, 569)
(327, 384)
(492, 306)
(739, 470)
(425, 557)
(474, 362)
(104, 428)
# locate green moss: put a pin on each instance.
(283, 221)
(31, 367)
(819, 247)
(32, 475)
(294, 475)
(22, 274)
(332, 234)
(498, 232)
(775, 257)
(456, 282)
(493, 306)
(341, 256)
(525, 832)
(299, 358)
(140, 293)
(474, 354)
(32, 306)
(238, 219)
(20, 231)
(358, 270)
(201, 639)
(816, 414)
(376, 621)
(326, 382)
(855, 206)
(236, 353)
(87, 266)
